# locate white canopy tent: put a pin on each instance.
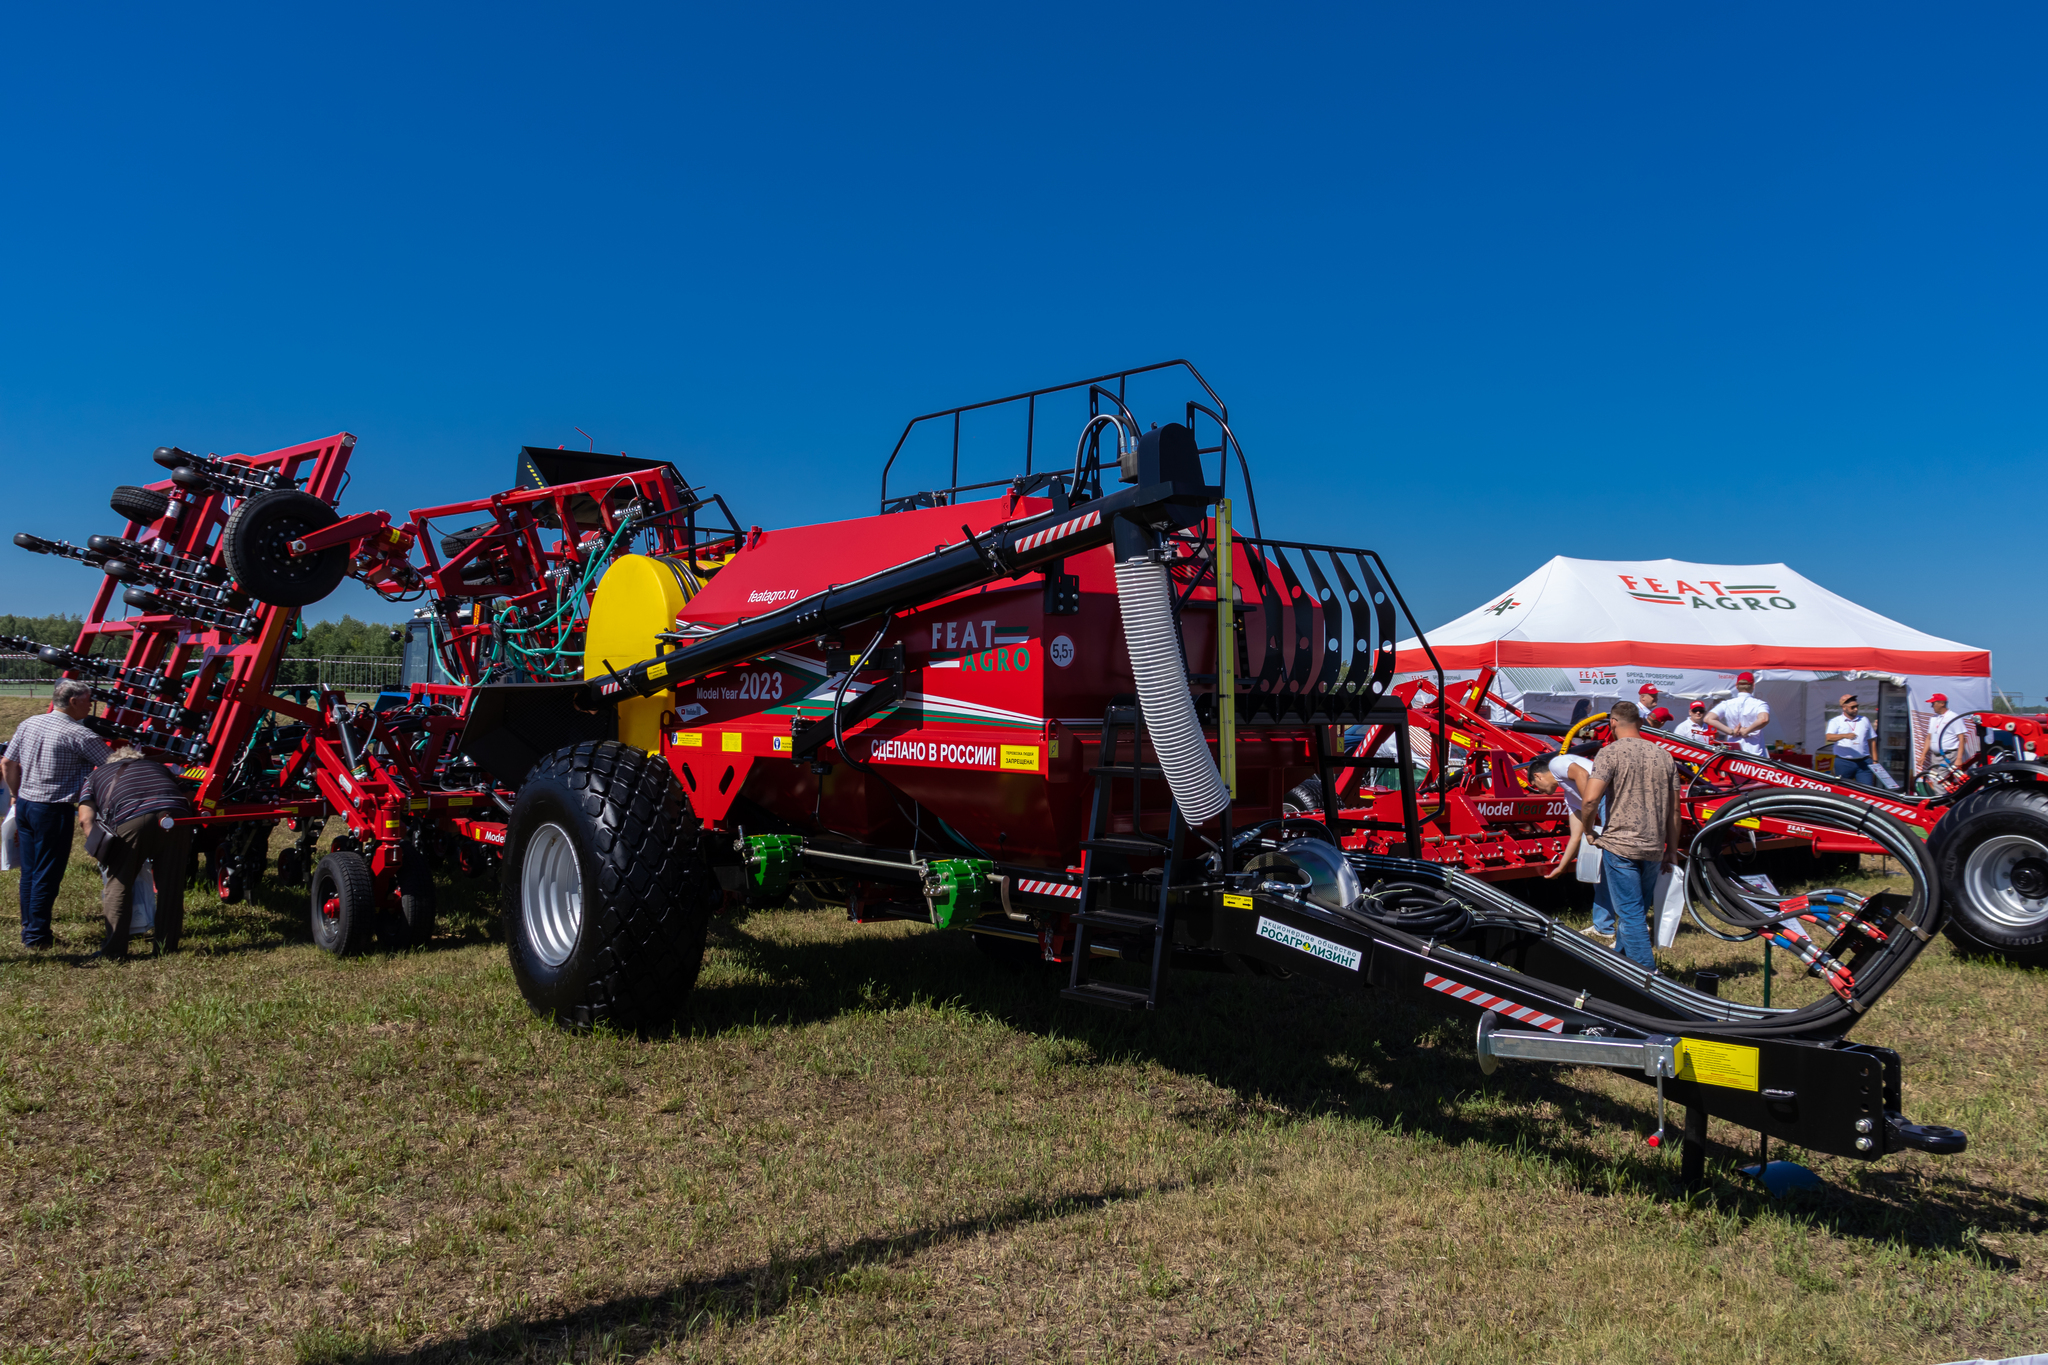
(1599, 629)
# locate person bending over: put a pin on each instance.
(137, 801)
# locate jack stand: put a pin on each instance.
(1692, 1151)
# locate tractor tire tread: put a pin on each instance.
(1987, 811)
(644, 928)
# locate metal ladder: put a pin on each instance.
(1092, 923)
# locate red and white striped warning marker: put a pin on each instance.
(1066, 889)
(1065, 528)
(1473, 995)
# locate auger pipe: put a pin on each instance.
(1007, 551)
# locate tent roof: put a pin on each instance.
(1668, 613)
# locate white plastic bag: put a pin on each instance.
(10, 844)
(1589, 862)
(1670, 902)
(143, 919)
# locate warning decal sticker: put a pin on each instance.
(1725, 1064)
(1472, 995)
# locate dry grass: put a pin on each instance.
(872, 1143)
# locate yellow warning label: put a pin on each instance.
(732, 741)
(1020, 758)
(418, 803)
(691, 739)
(460, 800)
(1725, 1064)
(1231, 902)
(783, 743)
(658, 671)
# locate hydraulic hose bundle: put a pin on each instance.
(1422, 911)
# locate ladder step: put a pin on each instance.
(1112, 997)
(1114, 845)
(1130, 769)
(1120, 715)
(1112, 919)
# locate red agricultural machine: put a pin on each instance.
(1986, 830)
(1068, 713)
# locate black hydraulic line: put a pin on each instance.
(1007, 551)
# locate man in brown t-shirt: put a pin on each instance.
(1635, 786)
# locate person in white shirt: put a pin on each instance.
(1850, 733)
(1567, 775)
(1742, 717)
(1695, 727)
(1946, 746)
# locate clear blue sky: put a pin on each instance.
(1481, 283)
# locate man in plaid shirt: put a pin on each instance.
(45, 766)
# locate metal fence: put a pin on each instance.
(346, 673)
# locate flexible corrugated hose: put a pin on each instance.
(1145, 597)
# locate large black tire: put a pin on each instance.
(143, 505)
(606, 893)
(1991, 853)
(257, 544)
(344, 904)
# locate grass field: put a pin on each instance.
(872, 1143)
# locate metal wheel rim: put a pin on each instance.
(1987, 879)
(551, 894)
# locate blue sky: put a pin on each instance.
(1481, 284)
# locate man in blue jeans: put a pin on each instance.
(1639, 838)
(45, 766)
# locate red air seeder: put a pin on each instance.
(1073, 713)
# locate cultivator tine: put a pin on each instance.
(1322, 694)
(1292, 700)
(1382, 642)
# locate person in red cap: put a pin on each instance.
(1946, 745)
(1660, 718)
(1742, 717)
(1694, 727)
(1850, 734)
(1646, 698)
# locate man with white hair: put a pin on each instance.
(45, 767)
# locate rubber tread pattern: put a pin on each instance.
(141, 505)
(1981, 814)
(642, 938)
(357, 891)
(285, 580)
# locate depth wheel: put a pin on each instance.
(1991, 851)
(257, 544)
(606, 892)
(141, 505)
(344, 904)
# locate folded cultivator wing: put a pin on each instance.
(1073, 713)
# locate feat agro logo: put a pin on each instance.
(1725, 598)
(982, 646)
(775, 595)
(1505, 605)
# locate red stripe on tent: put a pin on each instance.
(1960, 663)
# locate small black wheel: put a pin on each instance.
(1304, 798)
(1991, 851)
(344, 904)
(607, 892)
(231, 884)
(143, 505)
(291, 867)
(257, 544)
